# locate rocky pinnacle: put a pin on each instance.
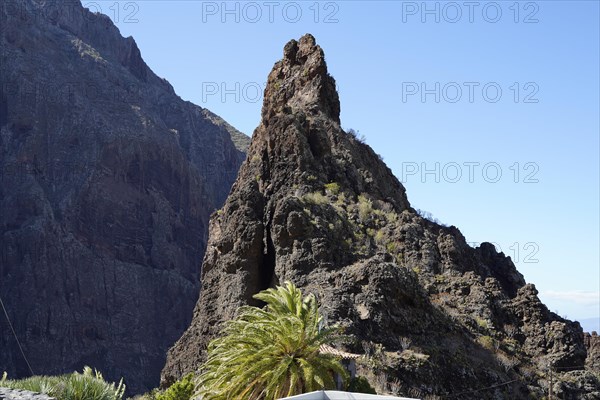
(314, 205)
(300, 83)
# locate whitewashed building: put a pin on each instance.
(348, 361)
(333, 395)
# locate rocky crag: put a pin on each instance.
(313, 205)
(108, 180)
(592, 345)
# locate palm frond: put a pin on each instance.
(271, 352)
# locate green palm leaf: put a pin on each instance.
(271, 352)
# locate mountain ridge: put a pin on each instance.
(108, 182)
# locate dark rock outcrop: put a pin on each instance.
(592, 345)
(314, 205)
(108, 180)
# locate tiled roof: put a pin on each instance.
(326, 349)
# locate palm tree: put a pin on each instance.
(271, 352)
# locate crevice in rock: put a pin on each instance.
(267, 271)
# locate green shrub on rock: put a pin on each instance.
(183, 389)
(360, 384)
(332, 188)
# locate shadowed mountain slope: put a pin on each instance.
(108, 180)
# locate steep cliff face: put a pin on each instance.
(108, 180)
(314, 205)
(592, 344)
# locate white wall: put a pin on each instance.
(333, 395)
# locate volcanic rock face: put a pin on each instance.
(108, 180)
(592, 344)
(314, 205)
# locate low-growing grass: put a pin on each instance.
(89, 385)
(332, 188)
(315, 198)
(488, 342)
(365, 208)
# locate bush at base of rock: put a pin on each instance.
(360, 384)
(181, 390)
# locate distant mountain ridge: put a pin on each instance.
(108, 181)
(314, 205)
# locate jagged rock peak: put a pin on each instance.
(315, 206)
(301, 82)
(300, 143)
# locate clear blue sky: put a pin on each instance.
(391, 59)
